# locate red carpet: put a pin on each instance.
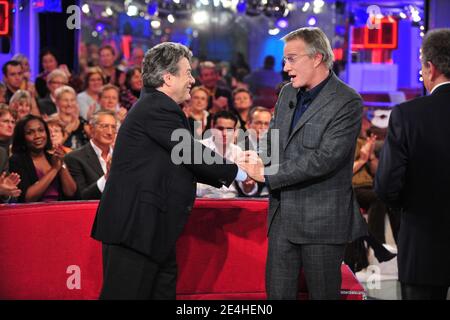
(46, 252)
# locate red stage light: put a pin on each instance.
(4, 18)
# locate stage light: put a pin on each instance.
(204, 2)
(155, 24)
(416, 18)
(312, 21)
(100, 27)
(132, 10)
(274, 31)
(306, 6)
(402, 15)
(318, 3)
(171, 18)
(200, 17)
(176, 1)
(282, 23)
(109, 11)
(94, 34)
(85, 8)
(422, 28)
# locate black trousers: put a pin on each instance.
(130, 275)
(423, 292)
(376, 211)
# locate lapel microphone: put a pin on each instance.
(291, 104)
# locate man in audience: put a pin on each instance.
(89, 165)
(12, 77)
(414, 173)
(219, 98)
(222, 142)
(113, 74)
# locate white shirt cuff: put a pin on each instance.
(241, 175)
(101, 183)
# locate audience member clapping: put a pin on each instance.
(43, 174)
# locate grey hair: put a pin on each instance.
(161, 59)
(57, 73)
(436, 49)
(64, 89)
(96, 115)
(256, 109)
(316, 42)
(20, 95)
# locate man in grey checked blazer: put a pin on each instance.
(313, 213)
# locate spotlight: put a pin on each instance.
(312, 21)
(85, 8)
(171, 18)
(402, 15)
(282, 23)
(200, 17)
(274, 31)
(132, 10)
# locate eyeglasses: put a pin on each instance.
(293, 58)
(103, 126)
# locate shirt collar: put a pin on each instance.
(310, 95)
(439, 85)
(97, 150)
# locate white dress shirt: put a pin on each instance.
(102, 181)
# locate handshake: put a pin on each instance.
(250, 162)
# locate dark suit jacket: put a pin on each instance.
(311, 184)
(86, 169)
(148, 197)
(414, 175)
(47, 106)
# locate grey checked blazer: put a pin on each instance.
(312, 189)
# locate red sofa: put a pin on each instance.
(46, 252)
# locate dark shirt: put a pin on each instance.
(304, 99)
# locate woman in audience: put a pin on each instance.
(21, 103)
(199, 118)
(88, 99)
(58, 134)
(132, 89)
(56, 79)
(68, 113)
(43, 174)
(49, 63)
(7, 124)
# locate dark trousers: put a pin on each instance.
(423, 292)
(321, 265)
(376, 211)
(130, 275)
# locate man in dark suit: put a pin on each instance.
(90, 164)
(151, 186)
(414, 176)
(313, 212)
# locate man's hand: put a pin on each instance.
(251, 163)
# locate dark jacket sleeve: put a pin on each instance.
(169, 130)
(18, 163)
(85, 190)
(390, 177)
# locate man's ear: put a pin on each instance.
(318, 58)
(168, 78)
(433, 73)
